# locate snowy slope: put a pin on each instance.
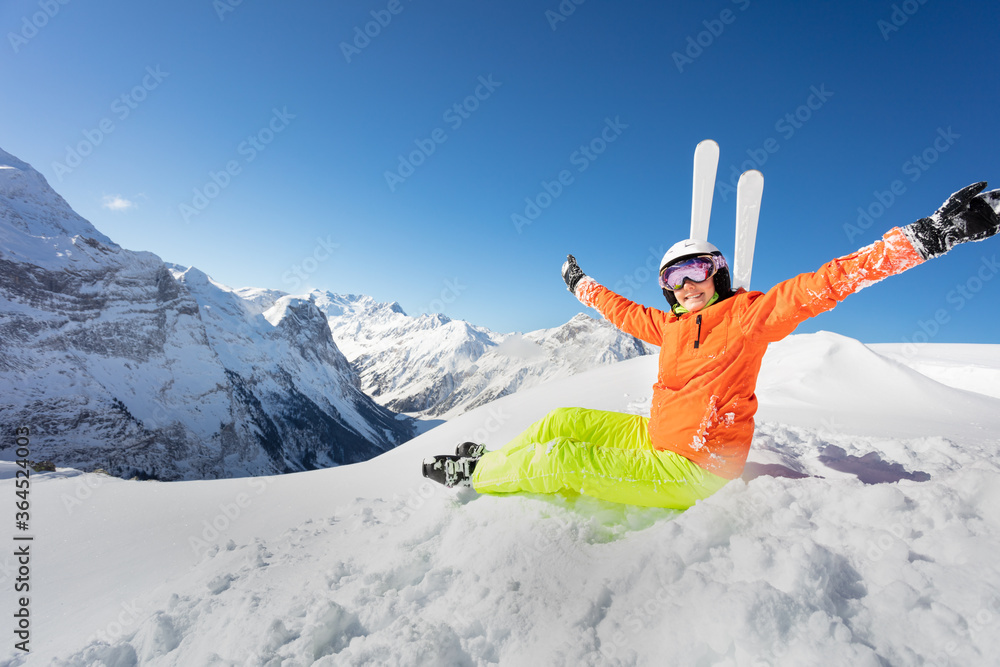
(972, 367)
(369, 564)
(38, 225)
(528, 360)
(125, 363)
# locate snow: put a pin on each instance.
(433, 366)
(972, 367)
(130, 365)
(42, 226)
(872, 540)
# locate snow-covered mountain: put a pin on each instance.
(870, 539)
(436, 366)
(117, 360)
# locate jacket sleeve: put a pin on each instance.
(637, 320)
(775, 314)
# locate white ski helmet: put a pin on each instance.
(687, 248)
(693, 248)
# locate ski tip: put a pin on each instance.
(752, 174)
(707, 146)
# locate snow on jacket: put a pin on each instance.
(703, 400)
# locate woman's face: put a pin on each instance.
(695, 296)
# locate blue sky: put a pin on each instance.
(278, 145)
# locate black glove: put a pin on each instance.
(969, 215)
(571, 273)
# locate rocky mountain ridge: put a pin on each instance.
(433, 366)
(116, 360)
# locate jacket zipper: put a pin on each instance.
(697, 340)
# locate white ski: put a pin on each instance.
(748, 195)
(706, 163)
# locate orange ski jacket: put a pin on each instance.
(703, 400)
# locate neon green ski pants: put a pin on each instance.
(608, 455)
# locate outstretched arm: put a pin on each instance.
(968, 215)
(632, 318)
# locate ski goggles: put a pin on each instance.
(695, 269)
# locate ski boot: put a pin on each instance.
(470, 450)
(451, 471)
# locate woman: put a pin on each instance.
(712, 341)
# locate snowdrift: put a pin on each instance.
(872, 541)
